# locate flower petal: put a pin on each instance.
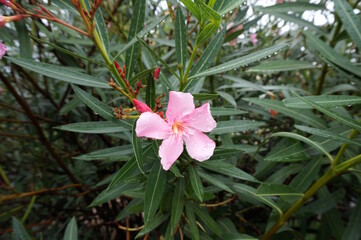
(141, 106)
(201, 119)
(199, 146)
(169, 151)
(151, 125)
(180, 104)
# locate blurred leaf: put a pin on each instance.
(333, 114)
(236, 126)
(25, 48)
(205, 96)
(193, 8)
(292, 6)
(212, 179)
(229, 98)
(178, 203)
(276, 66)
(352, 230)
(95, 127)
(221, 111)
(71, 231)
(305, 140)
(350, 20)
(141, 75)
(192, 222)
(224, 6)
(107, 153)
(59, 73)
(157, 220)
(19, 232)
(228, 170)
(325, 100)
(206, 218)
(305, 116)
(153, 192)
(240, 62)
(131, 207)
(326, 134)
(180, 38)
(196, 182)
(136, 26)
(304, 179)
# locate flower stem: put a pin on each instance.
(185, 78)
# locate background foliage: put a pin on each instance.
(287, 110)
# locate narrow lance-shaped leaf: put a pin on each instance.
(272, 189)
(333, 114)
(196, 182)
(242, 61)
(137, 148)
(292, 6)
(150, 92)
(224, 6)
(350, 20)
(71, 231)
(136, 26)
(178, 203)
(192, 222)
(180, 38)
(93, 127)
(154, 190)
(324, 100)
(59, 73)
(19, 231)
(236, 126)
(281, 66)
(193, 8)
(25, 48)
(206, 218)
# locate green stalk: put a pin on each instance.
(185, 78)
(28, 209)
(343, 148)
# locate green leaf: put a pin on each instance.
(228, 170)
(281, 66)
(193, 8)
(305, 116)
(229, 98)
(192, 222)
(333, 114)
(305, 140)
(178, 203)
(180, 38)
(221, 111)
(207, 58)
(250, 193)
(142, 75)
(71, 231)
(137, 148)
(127, 170)
(19, 232)
(107, 153)
(236, 126)
(240, 62)
(352, 230)
(205, 96)
(272, 189)
(324, 100)
(225, 6)
(206, 218)
(141, 34)
(207, 14)
(132, 207)
(350, 20)
(100, 27)
(331, 55)
(25, 48)
(291, 6)
(212, 179)
(95, 127)
(157, 220)
(304, 179)
(94, 104)
(154, 190)
(196, 182)
(59, 73)
(110, 194)
(326, 134)
(136, 26)
(150, 92)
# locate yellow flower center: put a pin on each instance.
(177, 128)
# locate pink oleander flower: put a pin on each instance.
(2, 50)
(141, 106)
(183, 123)
(254, 39)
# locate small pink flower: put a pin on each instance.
(254, 39)
(184, 123)
(141, 106)
(2, 50)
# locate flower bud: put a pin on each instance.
(141, 106)
(156, 73)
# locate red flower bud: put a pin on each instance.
(156, 73)
(141, 106)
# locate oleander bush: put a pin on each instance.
(180, 119)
